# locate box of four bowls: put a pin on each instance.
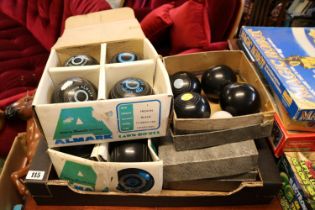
(85, 97)
(237, 105)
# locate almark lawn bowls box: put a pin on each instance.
(286, 58)
(103, 35)
(194, 133)
(106, 176)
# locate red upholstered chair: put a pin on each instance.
(223, 17)
(28, 29)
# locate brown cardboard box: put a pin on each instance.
(194, 133)
(290, 124)
(52, 191)
(9, 195)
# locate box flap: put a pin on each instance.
(99, 27)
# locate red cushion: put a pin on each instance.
(22, 58)
(28, 29)
(8, 133)
(155, 24)
(190, 26)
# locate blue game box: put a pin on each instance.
(286, 58)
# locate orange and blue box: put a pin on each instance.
(286, 58)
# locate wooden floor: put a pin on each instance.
(31, 205)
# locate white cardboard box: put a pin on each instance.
(90, 175)
(102, 35)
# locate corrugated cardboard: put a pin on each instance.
(98, 27)
(9, 195)
(193, 133)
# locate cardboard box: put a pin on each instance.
(285, 140)
(298, 178)
(89, 175)
(285, 56)
(102, 35)
(290, 124)
(194, 133)
(49, 190)
(9, 195)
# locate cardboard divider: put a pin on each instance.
(141, 47)
(165, 86)
(103, 53)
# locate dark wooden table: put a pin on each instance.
(31, 205)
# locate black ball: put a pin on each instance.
(215, 79)
(83, 151)
(75, 89)
(124, 57)
(239, 99)
(191, 105)
(129, 151)
(182, 82)
(80, 60)
(134, 180)
(130, 87)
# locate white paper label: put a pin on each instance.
(35, 175)
(139, 116)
